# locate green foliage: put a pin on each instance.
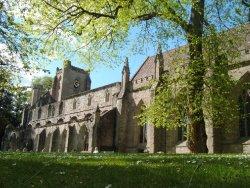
(98, 29)
(143, 170)
(170, 106)
(11, 107)
(95, 31)
(66, 64)
(45, 81)
(220, 104)
(19, 49)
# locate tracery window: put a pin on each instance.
(244, 107)
(143, 134)
(39, 113)
(30, 115)
(181, 133)
(74, 104)
(60, 108)
(107, 96)
(51, 111)
(89, 100)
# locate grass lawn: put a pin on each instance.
(123, 170)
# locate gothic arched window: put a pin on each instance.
(39, 113)
(181, 133)
(51, 111)
(89, 100)
(30, 115)
(107, 96)
(60, 108)
(74, 104)
(143, 134)
(244, 104)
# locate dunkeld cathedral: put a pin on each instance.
(74, 117)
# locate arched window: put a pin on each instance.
(181, 133)
(30, 115)
(51, 111)
(39, 113)
(143, 134)
(60, 108)
(74, 104)
(89, 100)
(107, 96)
(244, 104)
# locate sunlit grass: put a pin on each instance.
(123, 170)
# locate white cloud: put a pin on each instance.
(27, 77)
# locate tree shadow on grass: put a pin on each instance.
(46, 170)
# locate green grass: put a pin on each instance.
(123, 170)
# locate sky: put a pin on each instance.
(101, 74)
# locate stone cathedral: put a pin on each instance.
(74, 117)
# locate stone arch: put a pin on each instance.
(55, 140)
(63, 140)
(89, 117)
(59, 121)
(72, 138)
(104, 112)
(106, 131)
(242, 95)
(48, 142)
(142, 133)
(42, 139)
(244, 104)
(82, 144)
(73, 119)
(30, 144)
(48, 123)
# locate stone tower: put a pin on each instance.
(69, 81)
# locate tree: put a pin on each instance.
(19, 50)
(45, 81)
(107, 23)
(11, 107)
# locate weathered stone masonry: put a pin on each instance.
(72, 117)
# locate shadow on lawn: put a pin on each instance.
(37, 170)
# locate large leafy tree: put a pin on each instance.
(11, 107)
(107, 24)
(18, 50)
(45, 82)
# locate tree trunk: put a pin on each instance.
(196, 71)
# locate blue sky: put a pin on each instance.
(101, 74)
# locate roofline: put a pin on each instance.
(93, 90)
(140, 67)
